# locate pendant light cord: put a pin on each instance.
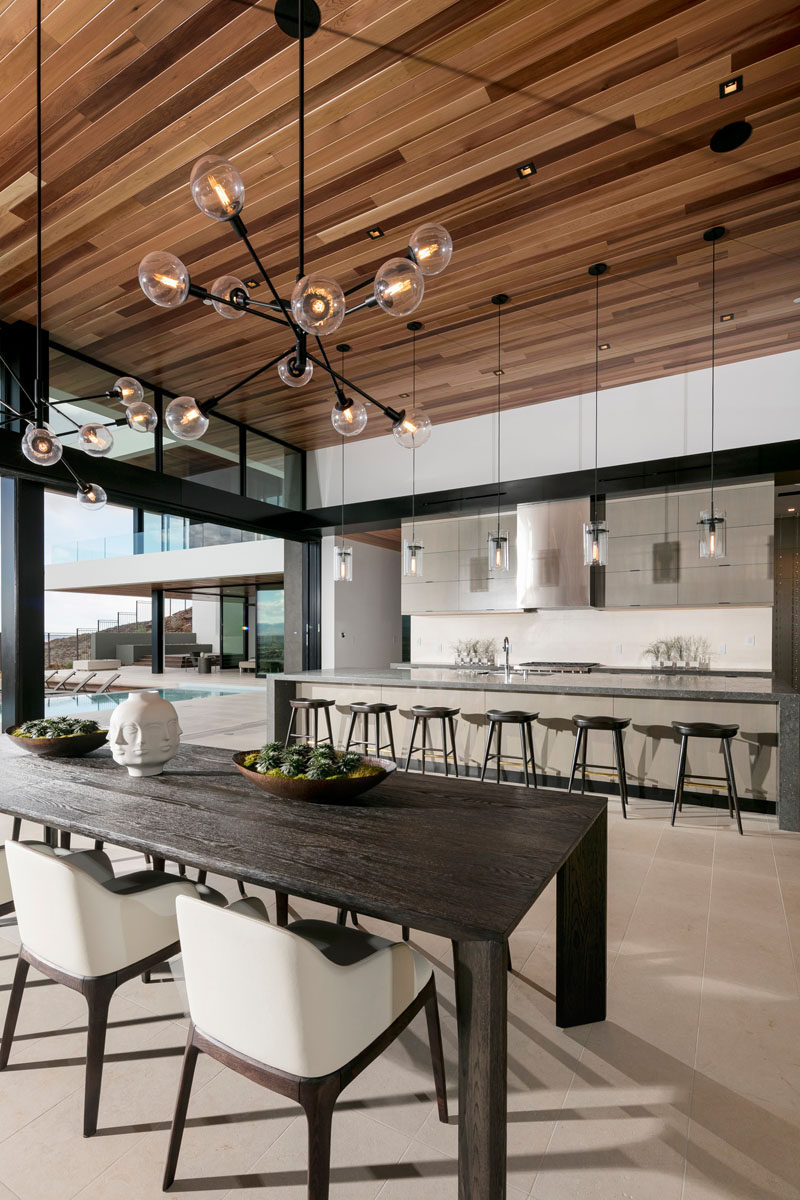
(342, 515)
(301, 142)
(499, 377)
(37, 389)
(713, 359)
(413, 441)
(596, 379)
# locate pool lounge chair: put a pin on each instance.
(78, 689)
(59, 687)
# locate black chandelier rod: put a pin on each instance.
(238, 225)
(37, 386)
(208, 405)
(301, 140)
(391, 413)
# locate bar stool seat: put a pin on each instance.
(605, 724)
(524, 720)
(309, 706)
(434, 712)
(706, 729)
(366, 709)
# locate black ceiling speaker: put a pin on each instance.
(731, 137)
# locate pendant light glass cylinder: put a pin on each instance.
(413, 552)
(711, 534)
(342, 563)
(595, 544)
(498, 551)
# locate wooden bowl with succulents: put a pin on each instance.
(58, 737)
(318, 775)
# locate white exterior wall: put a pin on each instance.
(361, 622)
(171, 566)
(756, 402)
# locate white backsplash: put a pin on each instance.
(741, 638)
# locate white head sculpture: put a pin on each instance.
(144, 733)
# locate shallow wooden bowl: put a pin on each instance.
(63, 747)
(316, 791)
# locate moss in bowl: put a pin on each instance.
(58, 737)
(319, 774)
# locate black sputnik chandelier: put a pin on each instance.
(317, 305)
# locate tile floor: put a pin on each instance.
(689, 1091)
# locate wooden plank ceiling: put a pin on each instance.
(417, 109)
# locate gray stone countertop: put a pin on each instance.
(748, 688)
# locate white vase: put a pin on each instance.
(144, 733)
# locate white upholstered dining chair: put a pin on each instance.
(301, 1010)
(83, 927)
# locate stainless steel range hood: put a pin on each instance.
(550, 570)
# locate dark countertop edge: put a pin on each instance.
(560, 685)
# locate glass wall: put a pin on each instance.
(269, 629)
(213, 460)
(274, 474)
(233, 638)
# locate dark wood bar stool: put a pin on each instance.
(424, 713)
(308, 707)
(706, 729)
(366, 710)
(524, 720)
(614, 726)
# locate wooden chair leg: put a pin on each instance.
(488, 748)
(98, 998)
(202, 876)
(437, 1053)
(509, 964)
(66, 839)
(282, 909)
(411, 742)
(350, 731)
(12, 1012)
(181, 1108)
(578, 740)
(406, 933)
(242, 889)
(679, 779)
(318, 1101)
(726, 750)
(99, 843)
(453, 744)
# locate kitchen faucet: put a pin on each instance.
(506, 649)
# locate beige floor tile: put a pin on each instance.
(425, 1174)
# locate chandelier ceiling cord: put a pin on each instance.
(318, 305)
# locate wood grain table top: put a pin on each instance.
(450, 856)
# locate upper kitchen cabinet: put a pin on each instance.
(653, 558)
(456, 567)
(550, 568)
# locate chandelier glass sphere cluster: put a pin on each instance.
(318, 304)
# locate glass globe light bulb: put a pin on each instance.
(95, 439)
(185, 420)
(217, 187)
(93, 497)
(350, 420)
(432, 248)
(288, 365)
(399, 287)
(229, 288)
(164, 279)
(142, 417)
(413, 429)
(41, 446)
(128, 390)
(318, 304)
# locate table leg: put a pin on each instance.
(282, 908)
(481, 1008)
(581, 931)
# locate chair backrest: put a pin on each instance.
(68, 918)
(271, 995)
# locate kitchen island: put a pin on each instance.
(766, 753)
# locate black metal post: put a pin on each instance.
(22, 598)
(242, 463)
(158, 445)
(157, 631)
(312, 606)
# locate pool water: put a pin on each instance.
(67, 706)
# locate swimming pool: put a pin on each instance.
(66, 706)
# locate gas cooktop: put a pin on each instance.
(567, 668)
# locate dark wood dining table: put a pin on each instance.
(449, 856)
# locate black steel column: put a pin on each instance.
(312, 605)
(22, 589)
(157, 664)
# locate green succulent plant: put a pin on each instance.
(57, 727)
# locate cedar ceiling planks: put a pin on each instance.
(415, 110)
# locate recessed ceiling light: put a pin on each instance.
(251, 283)
(791, 510)
(526, 170)
(729, 87)
(499, 371)
(403, 395)
(726, 317)
(731, 137)
(375, 233)
(604, 346)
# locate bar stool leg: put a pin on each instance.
(499, 751)
(388, 716)
(529, 729)
(619, 754)
(488, 748)
(350, 731)
(290, 730)
(411, 742)
(524, 750)
(424, 741)
(453, 744)
(316, 727)
(679, 778)
(583, 761)
(328, 723)
(578, 740)
(726, 750)
(444, 746)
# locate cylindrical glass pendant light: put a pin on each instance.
(711, 524)
(497, 543)
(342, 552)
(595, 530)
